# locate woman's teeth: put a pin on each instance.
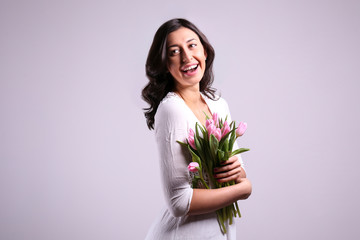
(190, 68)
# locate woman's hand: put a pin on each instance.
(229, 171)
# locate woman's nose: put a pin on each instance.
(186, 56)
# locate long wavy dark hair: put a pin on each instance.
(160, 79)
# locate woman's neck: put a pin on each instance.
(194, 100)
(191, 95)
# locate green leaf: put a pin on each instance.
(195, 157)
(208, 159)
(232, 124)
(201, 152)
(226, 149)
(221, 155)
(197, 143)
(204, 132)
(240, 150)
(213, 148)
(197, 129)
(206, 116)
(214, 143)
(182, 143)
(232, 140)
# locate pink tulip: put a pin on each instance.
(193, 167)
(215, 118)
(213, 130)
(241, 129)
(210, 127)
(209, 122)
(225, 129)
(191, 139)
(217, 134)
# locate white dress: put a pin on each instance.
(173, 120)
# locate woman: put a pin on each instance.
(179, 68)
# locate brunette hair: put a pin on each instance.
(160, 79)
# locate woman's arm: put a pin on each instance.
(209, 200)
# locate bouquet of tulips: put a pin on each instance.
(209, 147)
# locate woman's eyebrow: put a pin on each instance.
(176, 45)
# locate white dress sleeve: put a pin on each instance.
(171, 125)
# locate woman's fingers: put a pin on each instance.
(228, 176)
(228, 165)
(229, 171)
(228, 179)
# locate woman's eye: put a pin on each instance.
(192, 45)
(174, 52)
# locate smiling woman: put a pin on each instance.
(179, 68)
(161, 81)
(186, 61)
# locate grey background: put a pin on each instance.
(77, 160)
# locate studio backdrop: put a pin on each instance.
(78, 162)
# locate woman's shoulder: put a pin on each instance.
(170, 107)
(170, 102)
(170, 98)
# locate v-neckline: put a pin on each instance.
(193, 114)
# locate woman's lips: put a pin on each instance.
(190, 69)
(189, 66)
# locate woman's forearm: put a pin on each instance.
(210, 200)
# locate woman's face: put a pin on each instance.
(186, 58)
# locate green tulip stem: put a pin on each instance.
(237, 209)
(202, 180)
(221, 221)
